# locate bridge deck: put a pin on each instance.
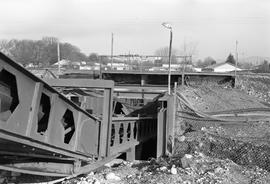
(164, 73)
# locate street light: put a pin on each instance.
(58, 57)
(168, 26)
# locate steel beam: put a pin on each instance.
(81, 83)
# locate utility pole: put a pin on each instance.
(236, 58)
(100, 72)
(112, 52)
(129, 63)
(58, 57)
(184, 64)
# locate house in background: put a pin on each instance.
(67, 64)
(221, 67)
(179, 67)
(118, 66)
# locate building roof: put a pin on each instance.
(219, 64)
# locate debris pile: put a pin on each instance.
(255, 85)
(209, 153)
(192, 168)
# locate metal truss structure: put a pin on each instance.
(42, 132)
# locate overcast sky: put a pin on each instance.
(212, 25)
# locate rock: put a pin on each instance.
(83, 182)
(201, 155)
(112, 176)
(182, 138)
(139, 175)
(83, 179)
(219, 170)
(203, 129)
(91, 173)
(173, 170)
(187, 182)
(164, 168)
(188, 156)
(187, 160)
(96, 182)
(113, 163)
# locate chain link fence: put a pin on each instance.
(245, 143)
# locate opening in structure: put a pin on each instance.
(43, 113)
(69, 125)
(9, 99)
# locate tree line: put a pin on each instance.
(40, 52)
(43, 53)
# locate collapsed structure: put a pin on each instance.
(65, 127)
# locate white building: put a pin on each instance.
(118, 66)
(222, 67)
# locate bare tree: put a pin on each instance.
(164, 53)
(189, 49)
(40, 52)
(5, 47)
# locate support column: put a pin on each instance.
(131, 154)
(170, 135)
(161, 131)
(105, 129)
(143, 81)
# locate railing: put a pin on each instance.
(127, 132)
